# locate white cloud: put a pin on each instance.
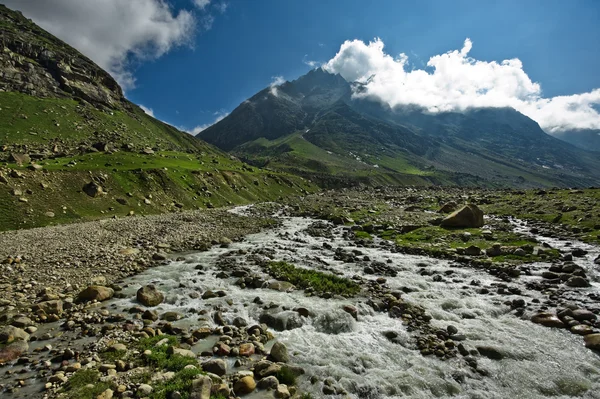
(219, 116)
(308, 62)
(113, 33)
(276, 81)
(222, 7)
(453, 81)
(201, 4)
(147, 110)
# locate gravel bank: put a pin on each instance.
(67, 257)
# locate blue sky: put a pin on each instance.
(249, 42)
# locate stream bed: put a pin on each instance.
(536, 361)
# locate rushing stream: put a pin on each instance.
(537, 361)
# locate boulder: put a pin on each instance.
(171, 350)
(279, 353)
(547, 319)
(9, 334)
(282, 286)
(244, 385)
(353, 311)
(247, 349)
(583, 314)
(93, 189)
(22, 322)
(148, 295)
(19, 158)
(49, 307)
(215, 366)
(577, 282)
(13, 351)
(490, 352)
(201, 388)
(469, 216)
(268, 383)
(592, 341)
(282, 392)
(448, 207)
(95, 293)
(287, 320)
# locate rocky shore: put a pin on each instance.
(66, 258)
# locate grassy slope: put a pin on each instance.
(183, 170)
(295, 154)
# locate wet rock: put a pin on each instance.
(490, 352)
(95, 293)
(282, 286)
(269, 383)
(279, 353)
(282, 321)
(149, 295)
(353, 311)
(547, 319)
(583, 314)
(469, 216)
(592, 341)
(582, 329)
(201, 388)
(215, 366)
(244, 385)
(578, 282)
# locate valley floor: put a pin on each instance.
(370, 296)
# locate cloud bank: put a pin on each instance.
(453, 81)
(113, 33)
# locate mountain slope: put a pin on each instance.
(587, 139)
(74, 147)
(353, 137)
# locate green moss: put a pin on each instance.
(85, 384)
(181, 382)
(319, 282)
(363, 234)
(111, 357)
(286, 376)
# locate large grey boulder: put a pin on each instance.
(149, 295)
(95, 293)
(468, 216)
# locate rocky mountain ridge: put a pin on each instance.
(320, 124)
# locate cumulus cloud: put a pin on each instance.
(113, 33)
(453, 81)
(219, 116)
(147, 110)
(275, 82)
